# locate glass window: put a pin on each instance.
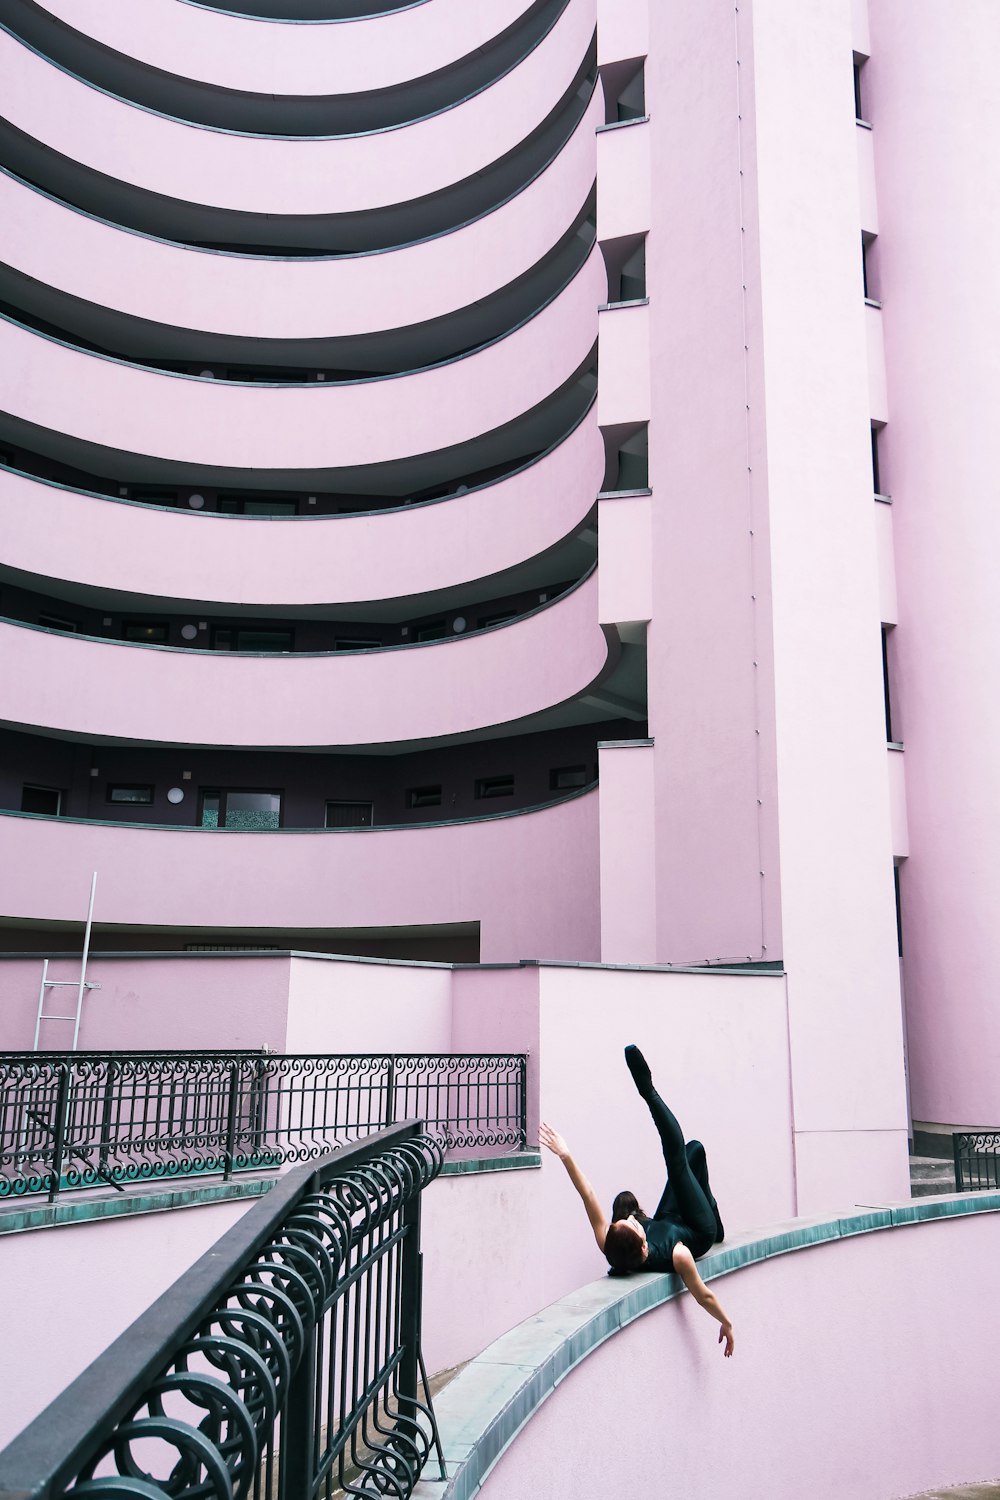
(58, 622)
(563, 778)
(356, 643)
(236, 808)
(423, 796)
(143, 794)
(153, 632)
(41, 799)
(495, 786)
(434, 630)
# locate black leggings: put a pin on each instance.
(687, 1196)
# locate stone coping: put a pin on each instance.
(80, 1207)
(515, 1161)
(482, 1410)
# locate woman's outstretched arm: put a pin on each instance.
(554, 1142)
(688, 1272)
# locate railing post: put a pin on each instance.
(390, 1093)
(522, 1071)
(234, 1083)
(409, 1306)
(59, 1133)
(107, 1113)
(957, 1158)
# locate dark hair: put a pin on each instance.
(623, 1248)
(626, 1203)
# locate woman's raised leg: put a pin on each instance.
(693, 1205)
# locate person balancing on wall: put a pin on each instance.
(686, 1223)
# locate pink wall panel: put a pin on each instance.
(238, 52)
(58, 533)
(623, 393)
(305, 297)
(346, 174)
(628, 854)
(196, 421)
(165, 695)
(623, 167)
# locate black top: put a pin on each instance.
(661, 1237)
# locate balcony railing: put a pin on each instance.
(284, 1365)
(86, 1119)
(977, 1160)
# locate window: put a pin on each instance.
(564, 778)
(423, 796)
(356, 643)
(632, 286)
(899, 911)
(875, 466)
(629, 462)
(152, 632)
(484, 621)
(495, 786)
(123, 793)
(885, 684)
(252, 639)
(46, 800)
(156, 497)
(236, 808)
(434, 630)
(349, 814)
(240, 505)
(859, 113)
(57, 622)
(624, 91)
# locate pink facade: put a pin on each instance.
(536, 343)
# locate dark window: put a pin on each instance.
(356, 643)
(252, 639)
(899, 911)
(875, 469)
(629, 465)
(563, 778)
(631, 101)
(156, 497)
(151, 631)
(484, 621)
(434, 630)
(239, 505)
(239, 808)
(41, 799)
(423, 796)
(885, 683)
(121, 793)
(349, 814)
(495, 786)
(57, 622)
(268, 377)
(864, 264)
(859, 113)
(632, 286)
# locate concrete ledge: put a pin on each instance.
(17, 1217)
(491, 1399)
(517, 1161)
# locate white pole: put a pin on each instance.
(83, 965)
(41, 1001)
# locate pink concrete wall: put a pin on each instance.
(339, 1006)
(256, 56)
(709, 640)
(93, 1280)
(931, 86)
(628, 854)
(171, 695)
(530, 880)
(59, 533)
(309, 298)
(859, 1370)
(146, 1004)
(343, 174)
(147, 412)
(838, 922)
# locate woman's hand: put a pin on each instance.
(553, 1141)
(726, 1332)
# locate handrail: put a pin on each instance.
(286, 1359)
(115, 1119)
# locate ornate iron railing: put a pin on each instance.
(284, 1365)
(977, 1160)
(83, 1119)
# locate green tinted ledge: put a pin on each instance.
(482, 1410)
(18, 1215)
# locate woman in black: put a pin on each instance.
(686, 1223)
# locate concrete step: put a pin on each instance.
(930, 1175)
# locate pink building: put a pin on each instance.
(487, 482)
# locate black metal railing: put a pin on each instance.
(977, 1160)
(83, 1119)
(284, 1365)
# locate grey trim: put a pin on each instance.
(17, 1216)
(621, 124)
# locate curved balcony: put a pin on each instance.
(129, 550)
(103, 690)
(214, 186)
(88, 402)
(226, 70)
(147, 297)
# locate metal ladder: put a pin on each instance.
(79, 985)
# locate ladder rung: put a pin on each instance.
(69, 984)
(57, 1018)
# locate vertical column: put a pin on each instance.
(628, 865)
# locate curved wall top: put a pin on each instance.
(291, 176)
(259, 297)
(238, 52)
(51, 532)
(118, 406)
(111, 690)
